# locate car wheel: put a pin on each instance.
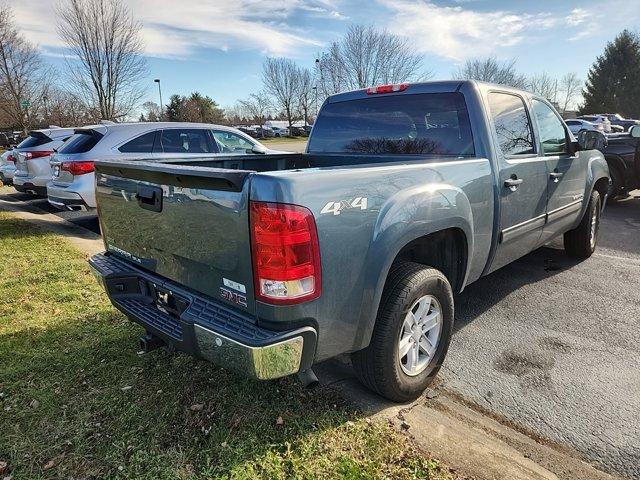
(581, 241)
(411, 335)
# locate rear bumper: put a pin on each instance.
(80, 193)
(27, 187)
(204, 328)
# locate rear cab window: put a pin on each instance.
(81, 142)
(35, 139)
(405, 124)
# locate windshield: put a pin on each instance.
(428, 123)
(81, 142)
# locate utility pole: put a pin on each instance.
(157, 80)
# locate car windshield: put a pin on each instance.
(429, 123)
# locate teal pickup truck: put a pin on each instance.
(406, 194)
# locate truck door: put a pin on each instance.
(522, 179)
(567, 173)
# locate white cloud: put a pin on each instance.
(459, 33)
(177, 29)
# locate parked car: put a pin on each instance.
(32, 157)
(618, 120)
(577, 125)
(356, 246)
(598, 120)
(622, 153)
(71, 184)
(280, 132)
(7, 167)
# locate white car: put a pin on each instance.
(31, 157)
(7, 167)
(280, 132)
(598, 120)
(577, 125)
(71, 185)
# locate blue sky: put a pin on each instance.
(217, 47)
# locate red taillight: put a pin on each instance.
(32, 155)
(77, 168)
(395, 87)
(10, 158)
(286, 255)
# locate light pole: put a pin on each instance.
(318, 70)
(315, 90)
(157, 80)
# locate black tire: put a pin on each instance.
(378, 366)
(581, 242)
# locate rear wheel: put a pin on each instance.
(581, 241)
(412, 333)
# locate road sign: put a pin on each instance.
(25, 103)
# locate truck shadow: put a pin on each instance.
(486, 292)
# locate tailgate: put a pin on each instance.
(188, 224)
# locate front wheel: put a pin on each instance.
(411, 335)
(581, 241)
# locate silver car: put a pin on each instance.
(32, 155)
(72, 178)
(7, 167)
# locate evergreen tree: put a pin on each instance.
(613, 82)
(194, 108)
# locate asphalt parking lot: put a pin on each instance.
(547, 343)
(554, 346)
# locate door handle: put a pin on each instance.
(555, 176)
(513, 183)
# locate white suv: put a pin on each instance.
(72, 178)
(31, 157)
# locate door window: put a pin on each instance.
(552, 134)
(512, 124)
(141, 144)
(183, 140)
(232, 143)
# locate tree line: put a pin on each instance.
(105, 73)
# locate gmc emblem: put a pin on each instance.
(233, 297)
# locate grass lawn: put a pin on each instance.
(76, 401)
(283, 140)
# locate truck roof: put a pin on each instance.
(440, 86)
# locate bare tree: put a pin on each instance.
(545, 86)
(105, 38)
(256, 108)
(281, 78)
(23, 76)
(571, 87)
(493, 71)
(65, 109)
(307, 94)
(151, 112)
(364, 57)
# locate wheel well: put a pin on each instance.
(445, 250)
(602, 186)
(615, 162)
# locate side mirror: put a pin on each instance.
(592, 140)
(635, 131)
(259, 149)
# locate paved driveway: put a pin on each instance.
(554, 345)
